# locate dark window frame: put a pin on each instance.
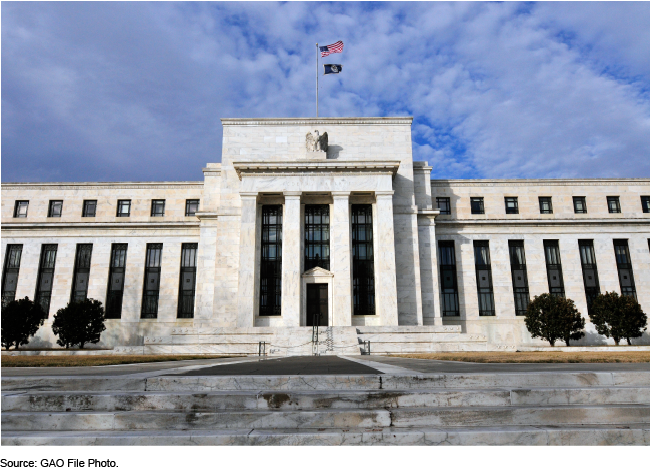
(624, 267)
(187, 280)
(46, 268)
(645, 203)
(19, 204)
(589, 270)
(542, 201)
(52, 207)
(363, 260)
(158, 207)
(120, 204)
(317, 237)
(484, 284)
(114, 295)
(554, 263)
(583, 202)
(512, 210)
(82, 261)
(519, 272)
(188, 205)
(11, 268)
(151, 287)
(477, 205)
(447, 202)
(271, 261)
(85, 210)
(616, 207)
(448, 278)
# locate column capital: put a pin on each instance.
(384, 193)
(292, 194)
(340, 194)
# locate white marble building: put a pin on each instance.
(277, 234)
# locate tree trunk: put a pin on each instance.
(552, 341)
(567, 342)
(628, 342)
(617, 340)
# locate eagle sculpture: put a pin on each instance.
(315, 142)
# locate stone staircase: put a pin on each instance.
(505, 408)
(419, 339)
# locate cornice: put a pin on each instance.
(333, 166)
(547, 222)
(99, 185)
(405, 120)
(108, 225)
(534, 182)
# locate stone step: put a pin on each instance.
(567, 435)
(329, 382)
(341, 418)
(334, 399)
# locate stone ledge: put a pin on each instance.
(306, 166)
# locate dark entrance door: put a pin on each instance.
(316, 304)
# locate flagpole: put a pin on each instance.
(316, 80)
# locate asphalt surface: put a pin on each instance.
(298, 365)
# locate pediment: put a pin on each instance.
(318, 272)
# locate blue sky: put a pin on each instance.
(134, 91)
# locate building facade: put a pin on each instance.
(288, 231)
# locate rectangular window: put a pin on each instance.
(317, 236)
(512, 206)
(363, 261)
(45, 277)
(645, 204)
(20, 208)
(589, 270)
(81, 272)
(90, 208)
(157, 207)
(116, 281)
(448, 281)
(151, 290)
(124, 208)
(554, 267)
(477, 205)
(624, 266)
(545, 205)
(444, 204)
(55, 208)
(484, 278)
(519, 276)
(188, 280)
(579, 205)
(10, 272)
(271, 261)
(191, 207)
(613, 204)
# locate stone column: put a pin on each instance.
(385, 271)
(291, 259)
(341, 260)
(246, 281)
(206, 267)
(429, 267)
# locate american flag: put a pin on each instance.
(331, 49)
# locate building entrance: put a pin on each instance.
(317, 305)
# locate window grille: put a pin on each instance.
(124, 208)
(519, 276)
(589, 270)
(90, 208)
(81, 272)
(484, 278)
(55, 208)
(645, 204)
(10, 272)
(512, 205)
(545, 205)
(477, 205)
(45, 278)
(317, 236)
(151, 291)
(444, 203)
(271, 261)
(116, 281)
(579, 205)
(624, 265)
(187, 280)
(20, 208)
(613, 204)
(191, 207)
(554, 267)
(448, 279)
(363, 260)
(157, 207)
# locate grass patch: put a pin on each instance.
(534, 357)
(82, 360)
